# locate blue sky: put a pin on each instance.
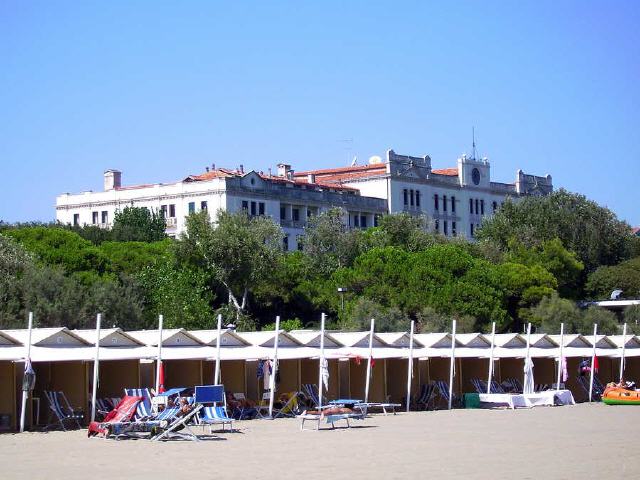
(161, 89)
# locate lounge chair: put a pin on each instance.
(596, 392)
(442, 388)
(242, 409)
(214, 407)
(479, 385)
(122, 413)
(513, 385)
(427, 395)
(263, 406)
(333, 415)
(311, 391)
(496, 387)
(290, 407)
(143, 409)
(62, 411)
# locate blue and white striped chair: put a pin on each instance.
(215, 416)
(144, 407)
(311, 391)
(61, 409)
(214, 410)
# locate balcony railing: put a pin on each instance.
(171, 222)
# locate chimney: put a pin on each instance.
(311, 178)
(283, 170)
(241, 168)
(207, 169)
(112, 180)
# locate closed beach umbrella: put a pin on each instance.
(529, 385)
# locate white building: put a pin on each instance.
(456, 198)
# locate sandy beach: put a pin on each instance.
(583, 441)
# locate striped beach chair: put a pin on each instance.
(426, 397)
(311, 391)
(479, 385)
(143, 409)
(61, 411)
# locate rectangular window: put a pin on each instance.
(437, 225)
(477, 209)
(436, 205)
(261, 208)
(454, 231)
(172, 210)
(472, 229)
(444, 203)
(376, 220)
(192, 207)
(105, 216)
(445, 228)
(406, 196)
(203, 205)
(285, 243)
(411, 196)
(471, 205)
(163, 211)
(253, 208)
(356, 220)
(283, 212)
(495, 206)
(94, 218)
(296, 214)
(417, 198)
(481, 207)
(76, 219)
(453, 204)
(363, 221)
(245, 206)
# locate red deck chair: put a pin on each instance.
(122, 413)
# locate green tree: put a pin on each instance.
(286, 325)
(239, 251)
(606, 320)
(401, 230)
(632, 319)
(14, 262)
(593, 232)
(552, 311)
(329, 244)
(624, 276)
(138, 224)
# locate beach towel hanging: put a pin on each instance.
(565, 374)
(596, 364)
(324, 367)
(260, 369)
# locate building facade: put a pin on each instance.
(456, 199)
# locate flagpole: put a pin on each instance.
(593, 359)
(452, 363)
(159, 360)
(25, 393)
(96, 366)
(216, 380)
(410, 366)
(624, 344)
(366, 385)
(321, 362)
(493, 343)
(272, 378)
(527, 360)
(560, 357)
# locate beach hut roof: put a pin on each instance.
(631, 341)
(400, 339)
(542, 340)
(228, 338)
(48, 337)
(602, 341)
(266, 338)
(171, 337)
(474, 340)
(436, 340)
(358, 339)
(510, 340)
(572, 340)
(109, 337)
(8, 340)
(311, 338)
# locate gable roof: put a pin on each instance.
(602, 341)
(510, 340)
(171, 337)
(8, 340)
(542, 340)
(266, 338)
(632, 341)
(574, 340)
(48, 337)
(311, 338)
(109, 337)
(400, 339)
(436, 340)
(358, 339)
(228, 338)
(474, 340)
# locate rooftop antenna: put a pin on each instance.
(473, 135)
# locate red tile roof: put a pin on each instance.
(451, 172)
(345, 174)
(636, 230)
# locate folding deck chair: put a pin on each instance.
(61, 409)
(479, 385)
(311, 391)
(596, 392)
(514, 385)
(214, 407)
(290, 408)
(244, 411)
(427, 394)
(143, 409)
(443, 392)
(496, 387)
(122, 413)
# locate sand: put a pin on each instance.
(582, 441)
